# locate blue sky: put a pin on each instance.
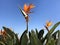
(10, 15)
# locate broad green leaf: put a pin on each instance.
(51, 41)
(54, 27)
(34, 39)
(1, 43)
(58, 42)
(9, 31)
(54, 34)
(24, 38)
(40, 34)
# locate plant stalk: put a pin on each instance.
(27, 25)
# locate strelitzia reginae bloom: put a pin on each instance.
(26, 10)
(48, 23)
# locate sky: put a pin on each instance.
(11, 17)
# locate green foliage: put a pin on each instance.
(40, 34)
(33, 37)
(24, 38)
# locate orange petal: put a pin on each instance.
(25, 7)
(48, 23)
(31, 6)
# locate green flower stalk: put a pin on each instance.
(26, 17)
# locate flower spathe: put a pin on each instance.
(24, 14)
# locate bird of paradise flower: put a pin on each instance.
(26, 11)
(48, 24)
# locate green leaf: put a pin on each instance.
(51, 41)
(10, 36)
(54, 34)
(1, 43)
(34, 39)
(24, 38)
(40, 34)
(16, 40)
(58, 42)
(9, 32)
(54, 27)
(36, 32)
